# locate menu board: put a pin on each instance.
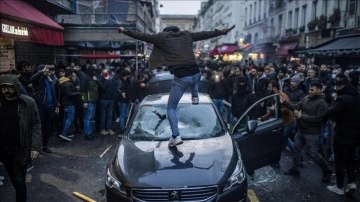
(7, 54)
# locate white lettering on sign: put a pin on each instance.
(21, 31)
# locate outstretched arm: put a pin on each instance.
(150, 38)
(197, 36)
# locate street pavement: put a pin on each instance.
(79, 166)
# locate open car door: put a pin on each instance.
(260, 142)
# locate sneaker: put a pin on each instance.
(175, 141)
(293, 172)
(104, 132)
(110, 132)
(46, 150)
(335, 189)
(29, 167)
(326, 176)
(351, 188)
(195, 100)
(65, 137)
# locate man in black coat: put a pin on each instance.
(46, 101)
(346, 114)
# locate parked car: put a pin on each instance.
(210, 165)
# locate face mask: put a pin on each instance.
(333, 76)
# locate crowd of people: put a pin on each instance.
(320, 104)
(320, 108)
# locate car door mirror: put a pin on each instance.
(251, 126)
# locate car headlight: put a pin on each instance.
(113, 183)
(237, 177)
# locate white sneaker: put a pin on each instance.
(110, 132)
(335, 189)
(175, 141)
(65, 137)
(351, 188)
(195, 100)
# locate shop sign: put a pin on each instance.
(15, 30)
(7, 54)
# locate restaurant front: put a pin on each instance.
(28, 35)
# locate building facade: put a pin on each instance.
(280, 30)
(93, 30)
(28, 32)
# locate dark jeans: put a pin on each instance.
(106, 112)
(123, 109)
(79, 116)
(46, 114)
(16, 172)
(311, 141)
(344, 151)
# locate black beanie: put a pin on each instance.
(171, 29)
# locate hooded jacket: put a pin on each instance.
(346, 113)
(29, 120)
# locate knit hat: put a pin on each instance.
(296, 79)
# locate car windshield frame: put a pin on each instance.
(195, 122)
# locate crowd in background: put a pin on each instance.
(71, 98)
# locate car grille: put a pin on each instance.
(176, 194)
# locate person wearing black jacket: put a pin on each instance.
(20, 132)
(345, 112)
(68, 96)
(124, 97)
(89, 88)
(174, 48)
(46, 101)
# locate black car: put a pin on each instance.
(210, 165)
(161, 83)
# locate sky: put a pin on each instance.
(179, 7)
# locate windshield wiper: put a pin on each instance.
(162, 117)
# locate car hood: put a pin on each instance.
(194, 163)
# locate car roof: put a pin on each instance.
(162, 82)
(162, 98)
(161, 76)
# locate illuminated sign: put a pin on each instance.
(16, 30)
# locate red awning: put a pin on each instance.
(224, 49)
(41, 28)
(99, 56)
(285, 47)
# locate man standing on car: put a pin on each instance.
(20, 132)
(174, 48)
(310, 113)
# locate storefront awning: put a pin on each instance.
(285, 47)
(224, 49)
(99, 56)
(40, 28)
(348, 45)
